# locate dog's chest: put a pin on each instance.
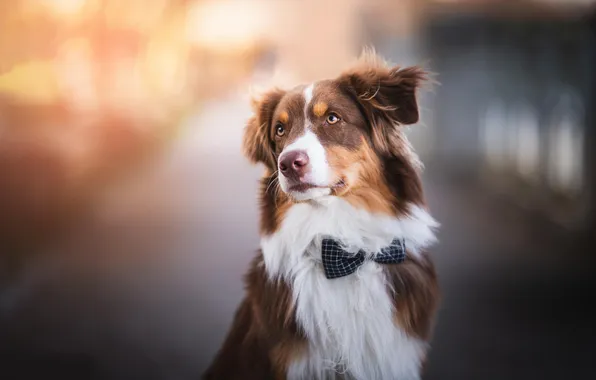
(350, 322)
(351, 329)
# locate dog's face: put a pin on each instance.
(331, 138)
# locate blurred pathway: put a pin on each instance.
(136, 290)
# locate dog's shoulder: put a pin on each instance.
(271, 298)
(415, 290)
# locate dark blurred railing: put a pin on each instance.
(515, 107)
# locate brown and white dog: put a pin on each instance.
(338, 166)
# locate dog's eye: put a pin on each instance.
(279, 129)
(332, 118)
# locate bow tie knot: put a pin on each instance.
(337, 262)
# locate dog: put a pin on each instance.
(343, 286)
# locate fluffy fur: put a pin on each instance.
(349, 322)
(361, 186)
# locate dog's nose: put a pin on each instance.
(293, 164)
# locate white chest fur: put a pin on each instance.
(349, 321)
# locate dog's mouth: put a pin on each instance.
(303, 187)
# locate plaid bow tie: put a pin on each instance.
(338, 263)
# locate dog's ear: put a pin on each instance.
(387, 95)
(257, 145)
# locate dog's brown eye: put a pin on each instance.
(332, 118)
(279, 130)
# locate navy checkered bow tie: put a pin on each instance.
(338, 263)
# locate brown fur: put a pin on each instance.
(368, 152)
(257, 145)
(362, 170)
(416, 293)
(274, 204)
(320, 109)
(264, 336)
(284, 117)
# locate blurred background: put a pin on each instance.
(128, 216)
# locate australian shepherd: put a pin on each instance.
(343, 286)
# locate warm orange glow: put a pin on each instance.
(75, 72)
(227, 24)
(64, 8)
(141, 15)
(33, 82)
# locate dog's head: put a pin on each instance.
(341, 137)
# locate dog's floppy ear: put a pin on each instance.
(257, 145)
(386, 94)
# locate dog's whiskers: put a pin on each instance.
(272, 180)
(276, 191)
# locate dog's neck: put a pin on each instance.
(305, 224)
(349, 322)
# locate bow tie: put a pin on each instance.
(337, 262)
